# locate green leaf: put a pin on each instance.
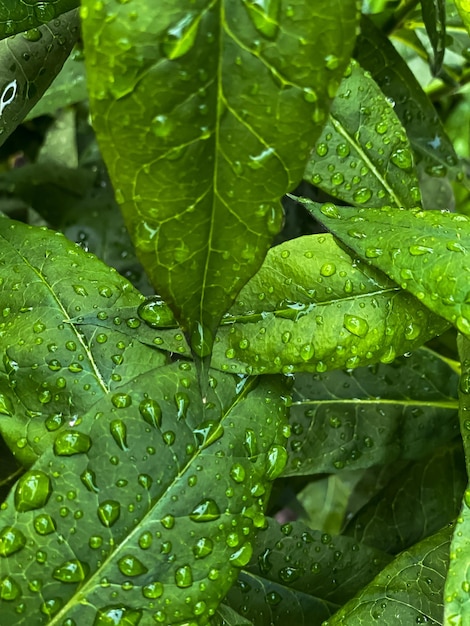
(311, 307)
(67, 88)
(28, 64)
(226, 94)
(434, 17)
(51, 372)
(225, 616)
(154, 503)
(464, 11)
(423, 251)
(457, 606)
(371, 416)
(17, 16)
(434, 152)
(363, 154)
(408, 591)
(417, 502)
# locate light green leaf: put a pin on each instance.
(463, 7)
(423, 251)
(51, 373)
(408, 591)
(372, 416)
(29, 63)
(417, 502)
(457, 606)
(17, 16)
(223, 95)
(363, 155)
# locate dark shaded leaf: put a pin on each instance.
(363, 155)
(423, 251)
(416, 503)
(226, 94)
(408, 591)
(434, 17)
(28, 65)
(372, 416)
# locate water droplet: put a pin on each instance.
(203, 547)
(157, 314)
(6, 405)
(11, 540)
(162, 126)
(151, 412)
(109, 512)
(307, 352)
(119, 433)
(455, 246)
(328, 269)
(180, 38)
(201, 341)
(121, 400)
(131, 566)
(402, 158)
(463, 324)
(418, 250)
(9, 589)
(237, 472)
(208, 432)
(182, 404)
(184, 576)
(412, 331)
(250, 443)
(88, 478)
(105, 291)
(80, 290)
(152, 591)
(44, 524)
(265, 16)
(73, 571)
(373, 253)
(356, 325)
(206, 511)
(242, 556)
(329, 210)
(168, 521)
(117, 616)
(277, 460)
(32, 490)
(362, 195)
(71, 442)
(290, 574)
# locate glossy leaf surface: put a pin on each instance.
(371, 416)
(457, 605)
(434, 17)
(408, 591)
(28, 65)
(363, 155)
(301, 574)
(225, 94)
(423, 251)
(17, 16)
(417, 502)
(464, 11)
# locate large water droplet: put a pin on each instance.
(237, 472)
(208, 432)
(6, 405)
(250, 443)
(9, 589)
(88, 478)
(32, 490)
(402, 158)
(277, 460)
(131, 566)
(203, 547)
(362, 195)
(206, 511)
(71, 442)
(119, 433)
(242, 556)
(157, 314)
(11, 540)
(356, 325)
(184, 577)
(151, 412)
(109, 512)
(265, 16)
(201, 341)
(182, 403)
(44, 524)
(121, 400)
(117, 615)
(152, 591)
(180, 38)
(73, 571)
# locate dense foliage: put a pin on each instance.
(234, 312)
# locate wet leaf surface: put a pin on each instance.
(21, 15)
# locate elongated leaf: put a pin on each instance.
(225, 616)
(311, 307)
(457, 606)
(433, 150)
(18, 16)
(416, 503)
(226, 94)
(423, 251)
(372, 416)
(28, 65)
(50, 372)
(434, 17)
(408, 591)
(363, 154)
(464, 12)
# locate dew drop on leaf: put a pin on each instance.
(208, 432)
(151, 412)
(168, 521)
(121, 400)
(203, 547)
(362, 195)
(180, 38)
(9, 589)
(73, 571)
(117, 616)
(237, 472)
(109, 512)
(157, 314)
(32, 490)
(131, 566)
(250, 443)
(152, 591)
(70, 442)
(184, 577)
(6, 406)
(242, 556)
(11, 541)
(206, 511)
(182, 404)
(88, 478)
(265, 16)
(118, 431)
(277, 460)
(44, 524)
(356, 325)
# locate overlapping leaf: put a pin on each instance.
(423, 251)
(302, 575)
(434, 17)
(17, 16)
(363, 154)
(138, 470)
(28, 65)
(223, 96)
(408, 591)
(457, 605)
(416, 503)
(372, 416)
